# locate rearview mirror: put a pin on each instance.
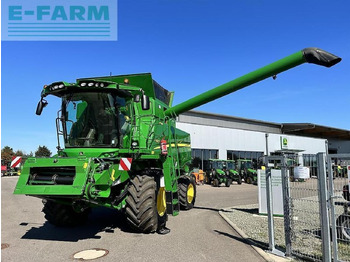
(145, 102)
(42, 103)
(137, 98)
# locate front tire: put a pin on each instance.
(64, 215)
(187, 193)
(239, 180)
(141, 210)
(249, 180)
(228, 182)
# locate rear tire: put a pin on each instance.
(187, 193)
(343, 228)
(141, 210)
(64, 215)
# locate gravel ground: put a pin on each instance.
(306, 239)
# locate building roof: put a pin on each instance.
(313, 130)
(300, 129)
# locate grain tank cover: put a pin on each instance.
(144, 81)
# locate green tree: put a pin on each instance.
(7, 154)
(19, 153)
(42, 151)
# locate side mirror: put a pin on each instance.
(42, 103)
(137, 98)
(145, 102)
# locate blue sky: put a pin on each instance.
(190, 47)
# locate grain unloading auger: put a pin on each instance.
(122, 149)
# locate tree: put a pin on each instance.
(7, 154)
(19, 153)
(42, 151)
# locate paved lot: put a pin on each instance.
(196, 235)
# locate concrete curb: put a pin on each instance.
(261, 252)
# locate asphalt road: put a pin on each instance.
(199, 234)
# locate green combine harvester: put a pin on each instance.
(122, 149)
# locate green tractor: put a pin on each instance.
(232, 171)
(247, 171)
(218, 173)
(122, 149)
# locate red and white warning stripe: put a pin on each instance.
(125, 164)
(16, 161)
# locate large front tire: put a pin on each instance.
(141, 208)
(64, 215)
(187, 193)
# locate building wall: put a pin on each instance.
(223, 139)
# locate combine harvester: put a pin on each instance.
(122, 149)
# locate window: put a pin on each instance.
(200, 157)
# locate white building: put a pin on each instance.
(228, 137)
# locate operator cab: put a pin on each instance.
(93, 119)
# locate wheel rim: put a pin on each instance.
(346, 229)
(190, 193)
(161, 203)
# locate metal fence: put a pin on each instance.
(316, 210)
(338, 206)
(305, 219)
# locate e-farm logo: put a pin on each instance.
(59, 20)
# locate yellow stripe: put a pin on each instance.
(173, 145)
(112, 176)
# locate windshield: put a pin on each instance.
(92, 119)
(218, 165)
(231, 165)
(247, 164)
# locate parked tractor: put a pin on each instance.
(218, 173)
(198, 176)
(247, 171)
(232, 171)
(122, 149)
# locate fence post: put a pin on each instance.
(270, 209)
(286, 207)
(324, 217)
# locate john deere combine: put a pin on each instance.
(122, 149)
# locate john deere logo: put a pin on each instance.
(284, 142)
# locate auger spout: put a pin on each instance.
(308, 55)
